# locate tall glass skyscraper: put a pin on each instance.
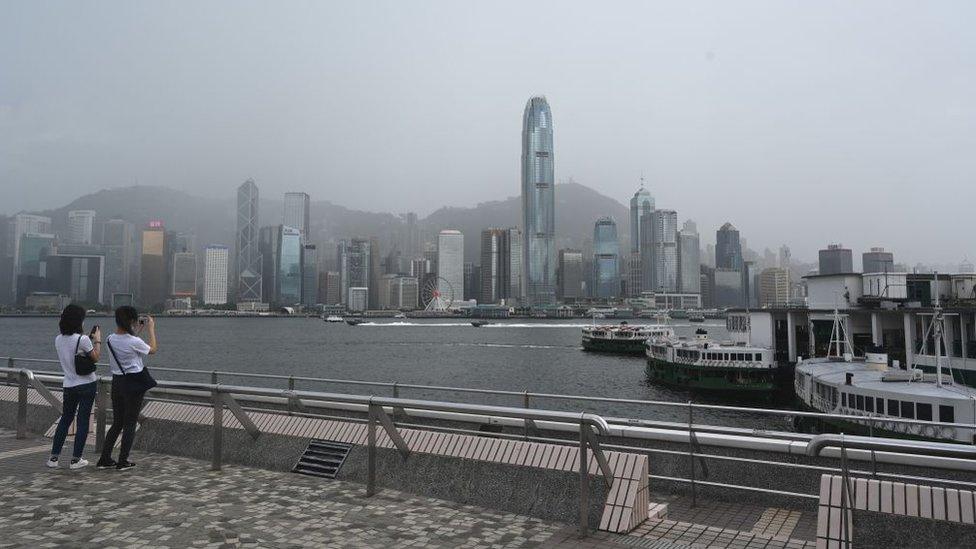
(296, 213)
(290, 266)
(538, 204)
(641, 207)
(248, 257)
(665, 250)
(728, 249)
(606, 258)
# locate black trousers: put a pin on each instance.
(126, 406)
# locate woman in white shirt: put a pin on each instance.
(126, 351)
(78, 394)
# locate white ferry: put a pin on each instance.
(705, 365)
(333, 318)
(623, 338)
(868, 387)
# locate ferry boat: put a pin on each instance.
(867, 386)
(705, 365)
(333, 318)
(696, 316)
(623, 338)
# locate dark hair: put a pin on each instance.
(125, 317)
(71, 319)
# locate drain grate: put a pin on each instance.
(322, 458)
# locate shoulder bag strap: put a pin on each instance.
(108, 341)
(77, 344)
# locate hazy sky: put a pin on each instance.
(800, 122)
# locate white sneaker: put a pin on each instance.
(52, 463)
(78, 464)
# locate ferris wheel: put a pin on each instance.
(437, 294)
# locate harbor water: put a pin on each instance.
(542, 356)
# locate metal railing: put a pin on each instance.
(591, 426)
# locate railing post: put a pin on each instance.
(213, 377)
(218, 429)
(396, 394)
(22, 406)
(525, 404)
(691, 454)
(370, 450)
(584, 501)
(291, 389)
(101, 412)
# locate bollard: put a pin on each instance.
(218, 430)
(22, 406)
(584, 502)
(370, 450)
(101, 412)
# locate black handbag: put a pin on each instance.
(139, 382)
(84, 364)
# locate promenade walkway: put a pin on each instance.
(176, 502)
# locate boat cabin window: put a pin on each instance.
(892, 407)
(860, 402)
(879, 402)
(947, 414)
(907, 409)
(759, 357)
(923, 411)
(868, 404)
(843, 400)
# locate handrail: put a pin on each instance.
(959, 451)
(528, 394)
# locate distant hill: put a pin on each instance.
(213, 220)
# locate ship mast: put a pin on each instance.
(938, 337)
(838, 337)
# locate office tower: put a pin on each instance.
(152, 277)
(430, 254)
(785, 257)
(689, 262)
(877, 261)
(665, 250)
(6, 262)
(641, 205)
(79, 276)
(515, 293)
(606, 258)
(329, 288)
(392, 263)
(496, 264)
(750, 284)
(118, 249)
(34, 250)
(310, 275)
(774, 287)
(569, 275)
(357, 299)
(420, 267)
(18, 226)
(538, 204)
(184, 275)
(707, 286)
(81, 223)
(268, 252)
(215, 265)
(412, 237)
(472, 281)
(248, 274)
(405, 293)
(728, 288)
(728, 249)
(836, 259)
(373, 278)
(450, 264)
(352, 258)
(296, 213)
(289, 291)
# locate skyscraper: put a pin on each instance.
(352, 258)
(496, 282)
(641, 206)
(450, 264)
(728, 249)
(81, 223)
(118, 249)
(296, 213)
(665, 250)
(20, 225)
(570, 275)
(310, 275)
(152, 279)
(515, 293)
(606, 258)
(774, 287)
(538, 204)
(248, 273)
(184, 275)
(215, 275)
(289, 291)
(689, 262)
(412, 238)
(268, 251)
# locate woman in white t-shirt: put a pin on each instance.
(78, 394)
(126, 352)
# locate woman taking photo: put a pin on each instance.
(77, 354)
(130, 381)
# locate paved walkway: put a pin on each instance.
(177, 502)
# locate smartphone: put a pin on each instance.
(95, 328)
(142, 321)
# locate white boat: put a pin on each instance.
(333, 318)
(400, 315)
(867, 386)
(705, 365)
(623, 338)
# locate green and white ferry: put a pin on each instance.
(623, 338)
(704, 365)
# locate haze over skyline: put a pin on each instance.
(799, 123)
